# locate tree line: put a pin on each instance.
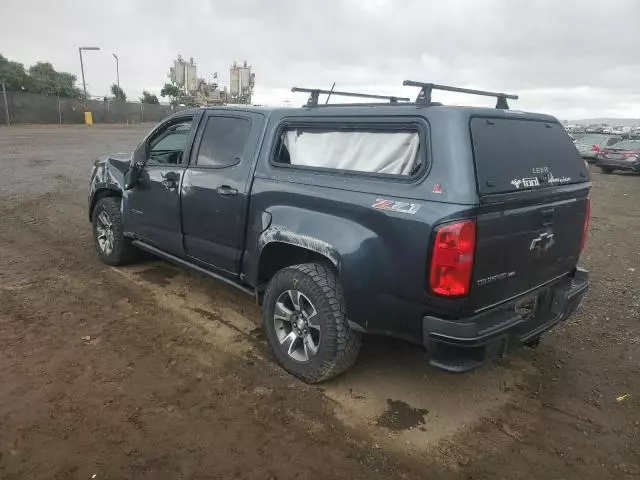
(42, 78)
(39, 78)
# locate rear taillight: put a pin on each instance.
(585, 227)
(630, 154)
(452, 258)
(595, 148)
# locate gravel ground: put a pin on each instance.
(153, 372)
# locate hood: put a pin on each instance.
(119, 161)
(116, 157)
(122, 156)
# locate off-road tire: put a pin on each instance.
(606, 170)
(123, 251)
(339, 344)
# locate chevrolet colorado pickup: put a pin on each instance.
(453, 227)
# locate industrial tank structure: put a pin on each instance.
(241, 83)
(196, 91)
(184, 74)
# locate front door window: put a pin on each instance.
(168, 145)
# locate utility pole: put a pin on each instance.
(6, 105)
(117, 69)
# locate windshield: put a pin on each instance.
(600, 140)
(627, 145)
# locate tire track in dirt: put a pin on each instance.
(378, 396)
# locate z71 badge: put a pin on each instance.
(400, 207)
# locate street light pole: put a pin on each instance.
(84, 85)
(117, 69)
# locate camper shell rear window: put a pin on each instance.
(523, 154)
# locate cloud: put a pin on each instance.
(569, 58)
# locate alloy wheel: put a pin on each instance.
(295, 321)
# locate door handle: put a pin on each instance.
(227, 191)
(170, 180)
(169, 183)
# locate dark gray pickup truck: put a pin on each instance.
(456, 228)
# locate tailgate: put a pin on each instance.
(533, 188)
(524, 244)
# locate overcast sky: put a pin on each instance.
(571, 58)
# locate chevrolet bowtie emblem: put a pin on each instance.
(541, 243)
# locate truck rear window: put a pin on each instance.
(518, 154)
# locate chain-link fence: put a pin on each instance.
(20, 107)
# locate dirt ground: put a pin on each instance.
(153, 372)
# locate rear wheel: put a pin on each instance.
(306, 324)
(112, 246)
(606, 170)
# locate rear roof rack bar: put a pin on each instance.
(314, 94)
(424, 97)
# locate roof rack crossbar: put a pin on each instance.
(314, 94)
(424, 97)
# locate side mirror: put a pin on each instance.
(131, 178)
(138, 165)
(132, 175)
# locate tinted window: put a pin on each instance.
(169, 143)
(514, 154)
(223, 141)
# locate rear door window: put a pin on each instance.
(223, 141)
(519, 154)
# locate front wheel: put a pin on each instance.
(306, 324)
(112, 246)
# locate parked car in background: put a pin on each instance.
(590, 145)
(575, 130)
(623, 155)
(619, 130)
